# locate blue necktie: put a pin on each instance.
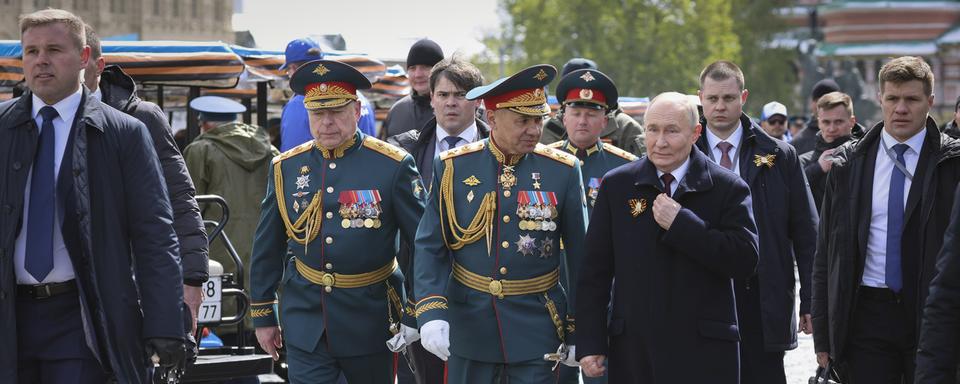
(40, 226)
(894, 277)
(451, 141)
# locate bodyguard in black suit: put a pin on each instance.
(454, 125)
(674, 229)
(90, 284)
(886, 205)
(786, 223)
(937, 354)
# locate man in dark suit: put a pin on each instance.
(786, 223)
(679, 322)
(886, 206)
(454, 125)
(939, 342)
(85, 204)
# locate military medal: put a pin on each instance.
(593, 189)
(536, 179)
(296, 206)
(345, 223)
(470, 196)
(303, 181)
(360, 209)
(508, 179)
(526, 245)
(546, 248)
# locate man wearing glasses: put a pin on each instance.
(773, 120)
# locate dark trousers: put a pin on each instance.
(757, 365)
(51, 347)
(464, 371)
(881, 347)
(319, 367)
(429, 367)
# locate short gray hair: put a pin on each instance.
(681, 100)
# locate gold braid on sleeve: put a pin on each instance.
(480, 226)
(307, 226)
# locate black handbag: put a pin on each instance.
(825, 375)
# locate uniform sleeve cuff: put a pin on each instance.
(264, 314)
(570, 327)
(430, 308)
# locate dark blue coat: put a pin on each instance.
(787, 227)
(117, 224)
(674, 316)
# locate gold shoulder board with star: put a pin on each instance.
(384, 148)
(556, 145)
(462, 150)
(556, 155)
(619, 152)
(305, 147)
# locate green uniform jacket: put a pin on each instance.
(622, 131)
(485, 327)
(600, 159)
(356, 321)
(232, 161)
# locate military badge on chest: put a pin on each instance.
(536, 210)
(593, 189)
(300, 201)
(360, 208)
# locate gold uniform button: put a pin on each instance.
(506, 193)
(329, 240)
(329, 266)
(503, 270)
(505, 244)
(329, 215)
(329, 189)
(333, 165)
(506, 218)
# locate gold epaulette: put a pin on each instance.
(619, 152)
(385, 148)
(555, 154)
(556, 144)
(294, 151)
(462, 150)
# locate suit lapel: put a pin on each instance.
(858, 204)
(697, 178)
(922, 174)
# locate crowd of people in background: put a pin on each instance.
(476, 236)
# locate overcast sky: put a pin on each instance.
(382, 28)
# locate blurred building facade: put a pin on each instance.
(200, 20)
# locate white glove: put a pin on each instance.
(436, 338)
(410, 334)
(403, 339)
(571, 360)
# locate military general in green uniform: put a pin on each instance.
(621, 130)
(327, 236)
(489, 294)
(587, 96)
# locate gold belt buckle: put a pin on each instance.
(328, 280)
(496, 288)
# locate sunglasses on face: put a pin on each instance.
(776, 121)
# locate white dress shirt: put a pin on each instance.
(468, 135)
(716, 154)
(678, 174)
(62, 267)
(875, 267)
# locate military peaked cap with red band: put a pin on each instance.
(587, 88)
(327, 83)
(523, 93)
